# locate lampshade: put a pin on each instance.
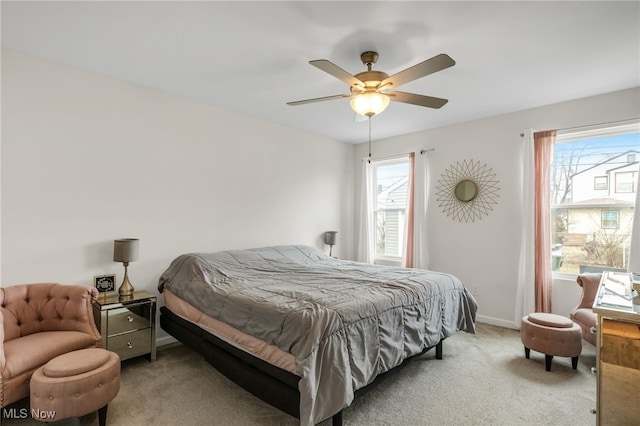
(369, 103)
(330, 238)
(126, 250)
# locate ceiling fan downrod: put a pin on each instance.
(369, 58)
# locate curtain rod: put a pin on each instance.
(625, 121)
(609, 123)
(401, 155)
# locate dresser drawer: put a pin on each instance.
(618, 388)
(132, 344)
(127, 319)
(620, 344)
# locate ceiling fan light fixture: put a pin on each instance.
(369, 103)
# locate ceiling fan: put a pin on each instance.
(372, 90)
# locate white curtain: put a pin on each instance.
(366, 236)
(420, 205)
(525, 294)
(634, 253)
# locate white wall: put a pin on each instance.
(484, 254)
(86, 159)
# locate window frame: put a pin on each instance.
(375, 164)
(630, 181)
(603, 220)
(630, 127)
(596, 183)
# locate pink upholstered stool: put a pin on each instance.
(75, 384)
(552, 335)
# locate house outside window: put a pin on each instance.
(391, 178)
(591, 219)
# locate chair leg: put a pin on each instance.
(547, 361)
(574, 362)
(527, 352)
(102, 415)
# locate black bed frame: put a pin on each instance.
(267, 382)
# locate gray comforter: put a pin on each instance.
(344, 322)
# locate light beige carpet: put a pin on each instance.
(484, 379)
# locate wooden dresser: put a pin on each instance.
(618, 359)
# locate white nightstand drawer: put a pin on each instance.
(130, 345)
(122, 320)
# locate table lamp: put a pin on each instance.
(125, 250)
(330, 239)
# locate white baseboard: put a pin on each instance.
(496, 321)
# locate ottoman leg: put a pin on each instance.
(102, 415)
(547, 361)
(574, 362)
(527, 352)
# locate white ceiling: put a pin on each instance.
(252, 57)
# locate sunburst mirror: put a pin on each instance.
(467, 190)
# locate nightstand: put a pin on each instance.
(127, 326)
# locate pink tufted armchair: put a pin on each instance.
(37, 323)
(582, 314)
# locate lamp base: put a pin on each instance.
(126, 289)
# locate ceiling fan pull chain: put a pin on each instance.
(369, 159)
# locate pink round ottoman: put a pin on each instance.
(75, 384)
(552, 335)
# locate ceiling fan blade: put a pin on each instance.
(435, 64)
(420, 100)
(331, 68)
(324, 98)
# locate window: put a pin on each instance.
(601, 183)
(610, 219)
(391, 179)
(592, 219)
(625, 182)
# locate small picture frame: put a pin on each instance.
(105, 283)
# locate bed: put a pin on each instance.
(304, 331)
